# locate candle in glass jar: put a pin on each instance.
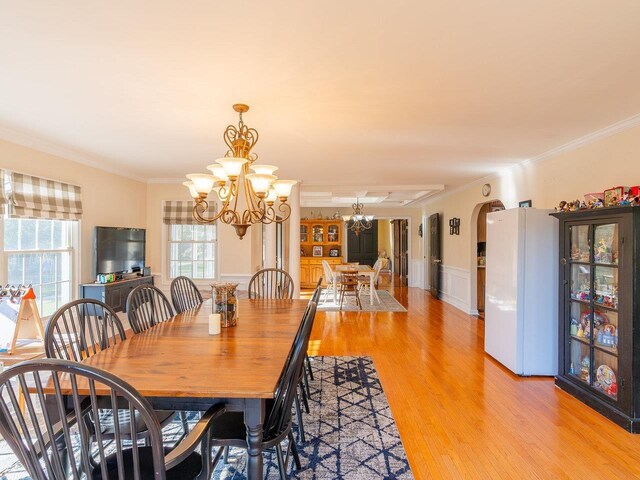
(214, 324)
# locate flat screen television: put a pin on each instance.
(119, 250)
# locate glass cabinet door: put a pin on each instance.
(333, 233)
(318, 233)
(593, 307)
(304, 234)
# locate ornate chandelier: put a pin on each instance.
(357, 222)
(247, 198)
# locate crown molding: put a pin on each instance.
(52, 148)
(592, 137)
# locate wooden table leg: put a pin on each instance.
(253, 418)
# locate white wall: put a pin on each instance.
(592, 167)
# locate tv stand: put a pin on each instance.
(114, 294)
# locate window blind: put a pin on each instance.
(35, 197)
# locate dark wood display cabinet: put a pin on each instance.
(599, 351)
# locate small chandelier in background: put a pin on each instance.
(231, 179)
(357, 222)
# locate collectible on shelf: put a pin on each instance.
(574, 327)
(584, 369)
(603, 252)
(606, 380)
(613, 195)
(607, 335)
(571, 370)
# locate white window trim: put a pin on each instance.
(76, 255)
(166, 278)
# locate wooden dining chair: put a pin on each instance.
(54, 443)
(147, 306)
(184, 294)
(79, 330)
(228, 429)
(331, 279)
(273, 283)
(349, 284)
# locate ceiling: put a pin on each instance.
(372, 92)
(385, 195)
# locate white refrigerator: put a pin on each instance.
(521, 305)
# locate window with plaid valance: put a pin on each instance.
(178, 212)
(35, 197)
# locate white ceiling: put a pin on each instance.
(385, 195)
(363, 92)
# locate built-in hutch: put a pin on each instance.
(321, 236)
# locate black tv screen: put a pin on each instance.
(119, 249)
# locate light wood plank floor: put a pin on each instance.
(460, 413)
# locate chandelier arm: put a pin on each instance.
(285, 209)
(198, 212)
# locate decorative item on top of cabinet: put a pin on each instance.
(599, 306)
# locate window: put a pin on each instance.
(40, 252)
(192, 251)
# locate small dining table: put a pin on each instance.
(177, 365)
(361, 270)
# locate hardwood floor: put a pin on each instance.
(460, 413)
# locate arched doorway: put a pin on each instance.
(478, 254)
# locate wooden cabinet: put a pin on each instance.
(318, 234)
(599, 316)
(114, 294)
(311, 270)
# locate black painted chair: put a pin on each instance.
(79, 330)
(45, 439)
(271, 283)
(146, 307)
(184, 294)
(228, 429)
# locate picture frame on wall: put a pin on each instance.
(525, 204)
(334, 252)
(317, 250)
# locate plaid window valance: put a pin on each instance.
(4, 189)
(178, 212)
(34, 197)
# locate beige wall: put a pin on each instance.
(594, 167)
(107, 199)
(237, 257)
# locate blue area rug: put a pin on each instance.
(350, 431)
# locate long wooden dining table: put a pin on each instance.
(177, 365)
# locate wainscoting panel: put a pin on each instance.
(416, 273)
(454, 288)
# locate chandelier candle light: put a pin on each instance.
(358, 222)
(231, 178)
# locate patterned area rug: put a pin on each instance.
(350, 431)
(387, 303)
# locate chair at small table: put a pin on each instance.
(365, 282)
(48, 448)
(349, 284)
(184, 294)
(331, 278)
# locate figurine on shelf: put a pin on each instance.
(602, 252)
(580, 333)
(574, 327)
(575, 252)
(561, 206)
(571, 369)
(625, 201)
(584, 369)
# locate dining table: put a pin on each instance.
(178, 366)
(364, 270)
